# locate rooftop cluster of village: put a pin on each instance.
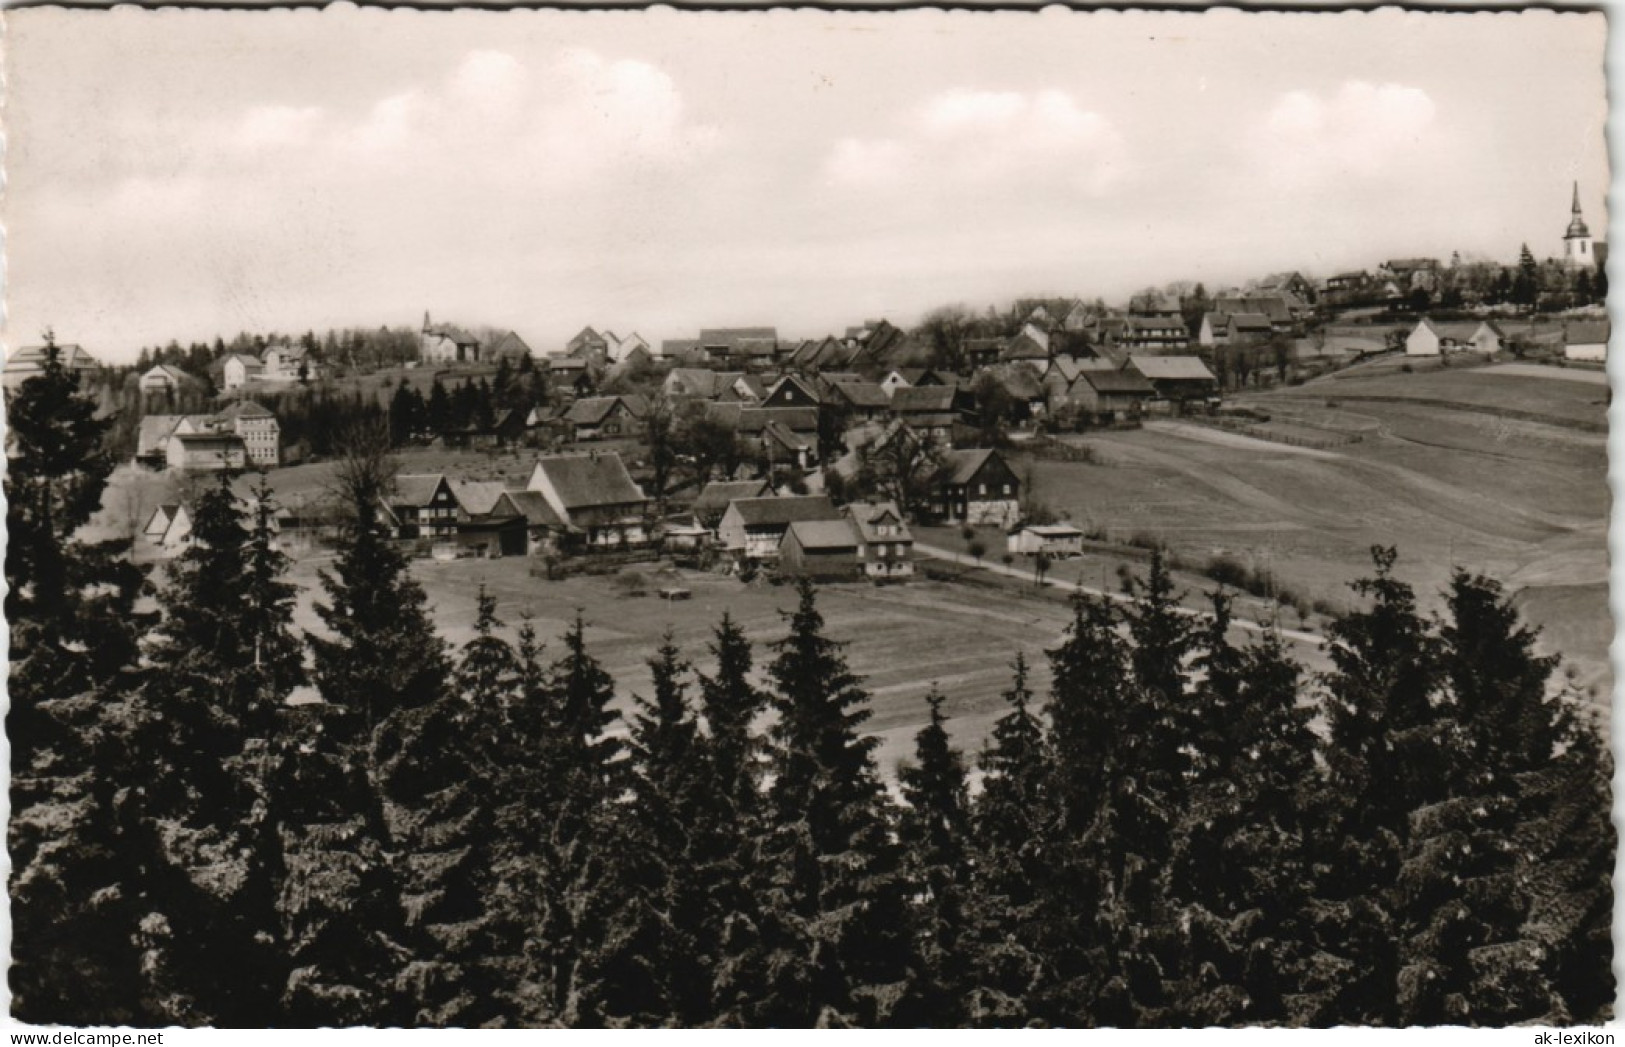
(813, 455)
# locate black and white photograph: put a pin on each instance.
(797, 518)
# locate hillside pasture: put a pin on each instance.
(1522, 500)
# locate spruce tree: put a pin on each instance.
(437, 770)
(1013, 818)
(934, 831)
(667, 965)
(838, 947)
(76, 905)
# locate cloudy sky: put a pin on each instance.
(187, 173)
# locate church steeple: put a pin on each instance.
(1577, 247)
(1577, 227)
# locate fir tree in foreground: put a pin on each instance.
(837, 938)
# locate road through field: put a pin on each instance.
(1300, 635)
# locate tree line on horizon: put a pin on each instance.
(1187, 832)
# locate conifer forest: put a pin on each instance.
(1182, 832)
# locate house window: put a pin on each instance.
(981, 488)
(1006, 488)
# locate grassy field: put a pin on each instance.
(958, 634)
(1521, 500)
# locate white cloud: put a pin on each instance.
(1363, 131)
(568, 119)
(969, 139)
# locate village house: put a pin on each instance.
(443, 344)
(625, 350)
(753, 528)
(1178, 380)
(858, 402)
(574, 373)
(604, 418)
(699, 383)
(825, 550)
(1154, 332)
(588, 344)
(1056, 541)
(719, 494)
(543, 527)
(594, 497)
(1586, 340)
(1435, 337)
(238, 369)
(1285, 312)
(902, 377)
(510, 347)
(931, 411)
(885, 544)
(747, 389)
(792, 391)
(977, 487)
(489, 524)
(290, 363)
(260, 431)
(29, 362)
(741, 348)
(1224, 329)
(166, 379)
(1107, 394)
(506, 429)
(421, 506)
(169, 528)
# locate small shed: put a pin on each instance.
(1056, 540)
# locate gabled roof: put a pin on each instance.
(249, 361)
(32, 358)
(174, 374)
(584, 481)
(511, 344)
(416, 489)
(701, 379)
(962, 466)
(859, 394)
(833, 535)
(809, 388)
(533, 506)
(591, 410)
(478, 497)
(154, 431)
(909, 399)
(718, 493)
(866, 514)
(770, 512)
(1172, 368)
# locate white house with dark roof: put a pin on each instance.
(162, 378)
(1435, 337)
(1586, 340)
(977, 487)
(595, 497)
(238, 369)
(885, 544)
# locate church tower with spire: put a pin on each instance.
(1578, 249)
